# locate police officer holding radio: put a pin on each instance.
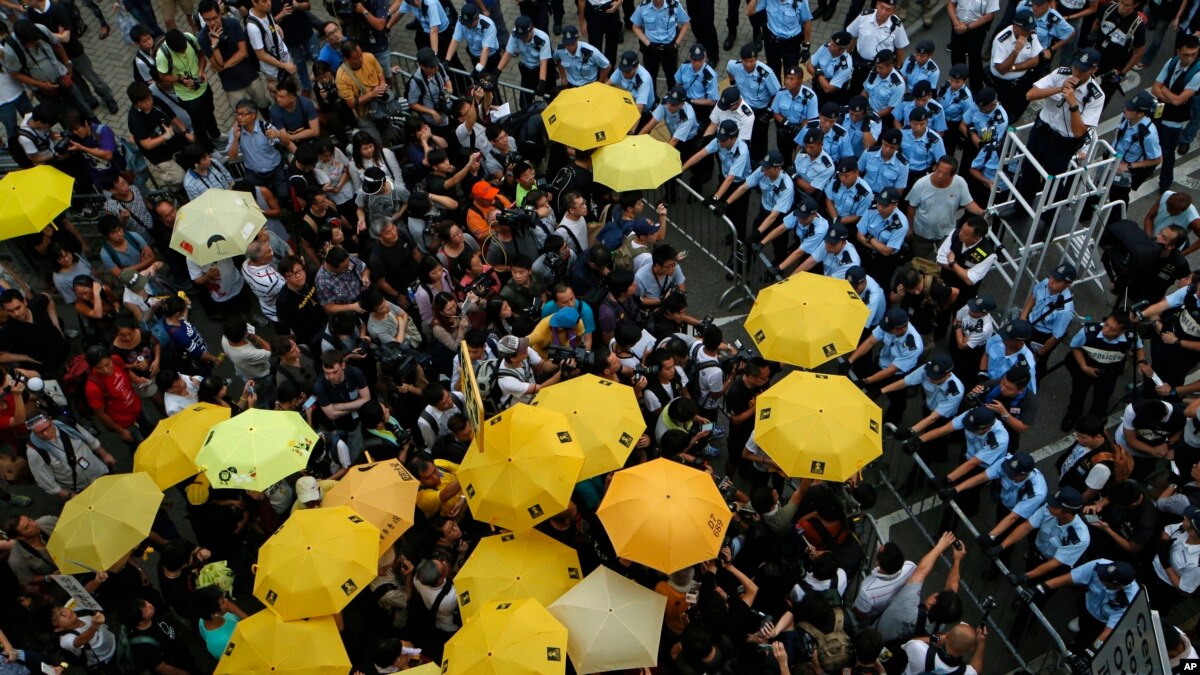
(793, 106)
(660, 27)
(863, 125)
(578, 62)
(985, 122)
(832, 67)
(758, 85)
(789, 26)
(1097, 359)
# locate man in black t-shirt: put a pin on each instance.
(33, 330)
(393, 263)
(155, 642)
(1151, 282)
(297, 304)
(751, 380)
(341, 390)
(159, 135)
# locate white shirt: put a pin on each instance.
(977, 331)
(1185, 560)
(177, 402)
(637, 351)
(274, 44)
(976, 273)
(742, 114)
(443, 614)
(872, 37)
(798, 592)
(916, 650)
(711, 378)
(10, 88)
(100, 649)
(227, 286)
(650, 399)
(578, 229)
(970, 11)
(878, 589)
(1057, 113)
(515, 389)
(1004, 44)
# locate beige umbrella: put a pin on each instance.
(612, 623)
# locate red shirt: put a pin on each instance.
(114, 395)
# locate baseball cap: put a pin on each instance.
(676, 96)
(38, 423)
(645, 226)
(629, 59)
(1019, 463)
(813, 136)
(986, 96)
(979, 419)
(846, 165)
(1018, 375)
(856, 275)
(511, 345)
(858, 103)
(842, 38)
(918, 114)
(1024, 19)
(307, 490)
(773, 159)
(132, 280)
(729, 98)
(939, 365)
(697, 52)
(891, 136)
(981, 303)
(1067, 498)
(1017, 329)
(960, 71)
(748, 51)
(427, 57)
(885, 56)
(727, 129)
(836, 234)
(887, 196)
(469, 11)
(484, 190)
(895, 317)
(805, 206)
(925, 47)
(570, 35)
(1064, 272)
(922, 89)
(565, 317)
(523, 26)
(1116, 572)
(830, 109)
(1144, 103)
(373, 179)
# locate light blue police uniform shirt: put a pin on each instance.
(999, 362)
(852, 201)
(884, 92)
(482, 35)
(870, 122)
(921, 152)
(899, 350)
(681, 124)
(812, 235)
(1051, 27)
(837, 69)
(936, 119)
(1128, 145)
(777, 194)
(987, 161)
(955, 103)
(735, 161)
(530, 54)
(874, 297)
(818, 172)
(989, 447)
(1106, 605)
(1054, 321)
(914, 73)
(881, 173)
(758, 87)
(639, 85)
(1064, 543)
(429, 14)
(582, 67)
(699, 84)
(785, 18)
(836, 264)
(892, 230)
(944, 398)
(837, 140)
(991, 126)
(660, 24)
(1022, 498)
(797, 108)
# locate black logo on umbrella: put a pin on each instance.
(564, 437)
(349, 587)
(553, 654)
(535, 511)
(215, 239)
(465, 597)
(600, 136)
(829, 350)
(764, 414)
(817, 468)
(626, 439)
(272, 596)
(229, 649)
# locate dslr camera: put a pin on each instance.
(581, 356)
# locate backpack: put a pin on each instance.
(614, 232)
(123, 659)
(694, 370)
(14, 44)
(834, 599)
(833, 648)
(487, 373)
(622, 256)
(17, 151)
(1121, 459)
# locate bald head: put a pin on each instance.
(961, 640)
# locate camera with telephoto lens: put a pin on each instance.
(518, 218)
(733, 361)
(581, 356)
(481, 287)
(647, 371)
(972, 400)
(399, 361)
(556, 265)
(701, 328)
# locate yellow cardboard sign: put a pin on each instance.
(470, 390)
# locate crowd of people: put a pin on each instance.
(404, 220)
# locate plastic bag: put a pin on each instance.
(125, 23)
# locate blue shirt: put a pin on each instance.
(991, 127)
(937, 116)
(880, 173)
(585, 313)
(259, 153)
(999, 362)
(1136, 142)
(837, 140)
(836, 69)
(987, 161)
(812, 235)
(884, 92)
(891, 231)
(429, 14)
(943, 399)
(660, 24)
(1105, 604)
(1171, 70)
(921, 152)
(955, 103)
(699, 84)
(681, 123)
(1023, 498)
(851, 201)
(758, 86)
(639, 84)
(875, 299)
(1064, 543)
(836, 264)
(582, 67)
(777, 193)
(795, 108)
(530, 54)
(869, 122)
(735, 161)
(482, 35)
(785, 18)
(989, 447)
(899, 350)
(1054, 321)
(331, 55)
(1052, 27)
(914, 72)
(818, 172)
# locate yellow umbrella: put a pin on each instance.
(31, 198)
(636, 163)
(104, 522)
(264, 644)
(384, 493)
(526, 471)
(216, 225)
(604, 415)
(818, 426)
(612, 623)
(807, 320)
(664, 515)
(256, 449)
(516, 565)
(508, 638)
(316, 562)
(169, 454)
(590, 116)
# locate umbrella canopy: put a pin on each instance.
(807, 319)
(510, 566)
(636, 163)
(169, 453)
(256, 449)
(508, 638)
(216, 225)
(104, 522)
(664, 515)
(590, 116)
(264, 644)
(818, 426)
(526, 470)
(612, 623)
(383, 493)
(605, 416)
(31, 198)
(316, 562)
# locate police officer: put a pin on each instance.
(874, 297)
(832, 67)
(1177, 351)
(981, 176)
(1177, 565)
(1098, 354)
(837, 140)
(986, 443)
(970, 20)
(758, 85)
(1120, 37)
(1007, 348)
(1111, 588)
(1049, 309)
(699, 80)
(806, 223)
(881, 235)
(775, 190)
(986, 121)
(921, 147)
(1009, 396)
(480, 35)
(901, 346)
(849, 197)
(680, 118)
(793, 106)
(1176, 86)
(1021, 490)
(531, 46)
(579, 63)
(1016, 51)
(884, 165)
(1072, 103)
(633, 78)
(602, 25)
(921, 96)
(731, 106)
(734, 158)
(943, 394)
(789, 25)
(1053, 31)
(874, 31)
(884, 87)
(863, 125)
(1137, 145)
(660, 27)
(837, 256)
(814, 167)
(1061, 540)
(920, 66)
(955, 99)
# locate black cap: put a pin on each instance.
(1116, 572)
(1019, 464)
(888, 196)
(629, 59)
(1066, 497)
(979, 419)
(922, 89)
(842, 38)
(805, 206)
(896, 317)
(729, 98)
(677, 94)
(960, 71)
(373, 179)
(981, 303)
(697, 52)
(1086, 59)
(748, 51)
(856, 275)
(523, 26)
(939, 365)
(858, 103)
(986, 96)
(918, 114)
(570, 35)
(1064, 272)
(1024, 19)
(891, 136)
(427, 57)
(830, 109)
(925, 47)
(847, 164)
(1017, 329)
(813, 136)
(885, 56)
(794, 70)
(1144, 103)
(773, 159)
(1018, 375)
(727, 129)
(469, 11)
(837, 233)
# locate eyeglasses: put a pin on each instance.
(294, 273)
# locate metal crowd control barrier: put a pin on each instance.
(509, 92)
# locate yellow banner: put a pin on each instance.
(470, 390)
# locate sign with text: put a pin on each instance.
(83, 599)
(470, 390)
(1136, 644)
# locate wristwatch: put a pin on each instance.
(1004, 417)
(1073, 108)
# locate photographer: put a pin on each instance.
(516, 375)
(430, 91)
(486, 205)
(524, 292)
(664, 383)
(181, 63)
(511, 236)
(588, 274)
(563, 328)
(553, 265)
(383, 437)
(1011, 398)
(663, 276)
(96, 144)
(708, 377)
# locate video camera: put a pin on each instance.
(734, 361)
(399, 361)
(481, 287)
(518, 218)
(581, 356)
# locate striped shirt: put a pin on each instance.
(266, 282)
(877, 590)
